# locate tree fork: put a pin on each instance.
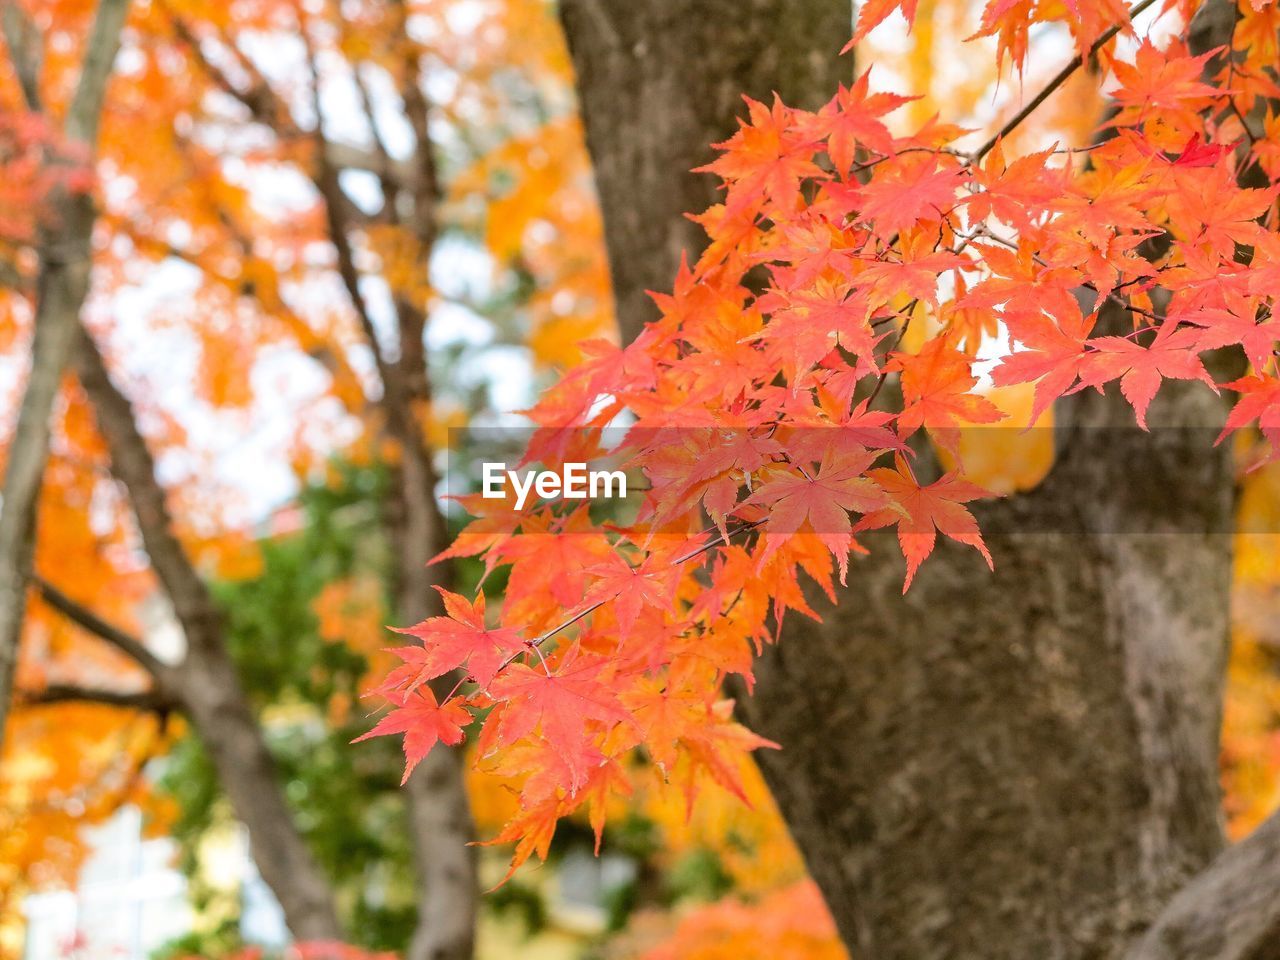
(996, 766)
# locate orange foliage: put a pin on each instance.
(214, 295)
(790, 924)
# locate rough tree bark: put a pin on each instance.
(61, 285)
(660, 81)
(1020, 763)
(998, 765)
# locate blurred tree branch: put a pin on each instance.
(61, 286)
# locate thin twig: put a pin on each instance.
(1059, 79)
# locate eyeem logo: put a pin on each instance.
(575, 483)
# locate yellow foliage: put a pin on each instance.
(1006, 457)
(752, 840)
(1251, 720)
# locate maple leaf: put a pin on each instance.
(531, 830)
(560, 706)
(549, 567)
(1212, 209)
(1259, 400)
(1052, 356)
(872, 13)
(936, 390)
(424, 723)
(629, 588)
(494, 524)
(1157, 79)
(907, 189)
(451, 641)
(920, 512)
(822, 501)
(1010, 20)
(1142, 369)
(850, 119)
(719, 747)
(914, 275)
(766, 160)
(1225, 326)
(1018, 192)
(807, 324)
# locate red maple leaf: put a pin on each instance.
(449, 642)
(559, 705)
(920, 512)
(424, 723)
(937, 385)
(1142, 369)
(823, 501)
(1259, 400)
(850, 120)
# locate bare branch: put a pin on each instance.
(426, 184)
(1229, 911)
(85, 618)
(85, 112)
(152, 701)
(133, 465)
(266, 107)
(325, 178)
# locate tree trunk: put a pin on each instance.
(998, 765)
(61, 286)
(1020, 763)
(438, 807)
(659, 82)
(205, 683)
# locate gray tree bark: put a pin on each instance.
(61, 285)
(1020, 763)
(659, 82)
(996, 766)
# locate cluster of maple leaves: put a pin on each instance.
(756, 412)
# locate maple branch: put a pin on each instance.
(260, 99)
(133, 465)
(1058, 80)
(909, 309)
(150, 701)
(536, 643)
(264, 104)
(325, 178)
(1156, 318)
(86, 619)
(1228, 911)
